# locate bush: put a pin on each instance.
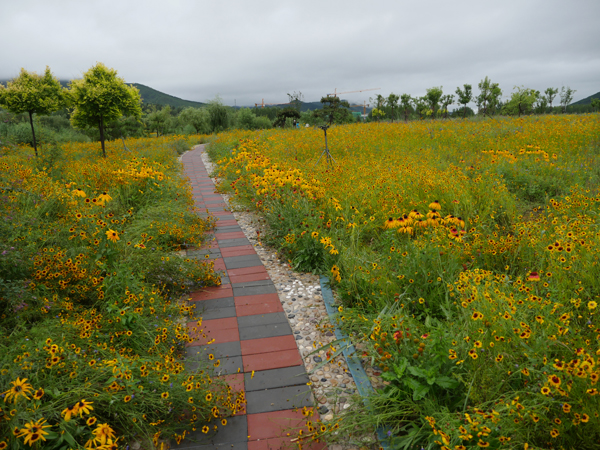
(262, 123)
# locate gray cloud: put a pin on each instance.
(247, 51)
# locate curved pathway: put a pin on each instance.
(250, 335)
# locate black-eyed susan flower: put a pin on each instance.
(20, 388)
(164, 395)
(112, 235)
(554, 380)
(38, 394)
(435, 205)
(34, 431)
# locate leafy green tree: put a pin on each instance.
(566, 97)
(420, 105)
(595, 104)
(267, 111)
(33, 94)
(101, 97)
(489, 97)
(284, 114)
(334, 110)
(245, 119)
(218, 115)
(196, 117)
(465, 96)
(124, 126)
(446, 101)
(551, 94)
(262, 123)
(378, 113)
(405, 104)
(521, 101)
(392, 103)
(541, 103)
(379, 101)
(159, 121)
(433, 97)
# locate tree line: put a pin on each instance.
(435, 104)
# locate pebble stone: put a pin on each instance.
(301, 298)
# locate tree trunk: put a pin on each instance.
(465, 112)
(33, 133)
(101, 126)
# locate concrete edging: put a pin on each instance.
(363, 384)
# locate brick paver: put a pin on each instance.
(244, 325)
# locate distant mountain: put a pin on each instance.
(149, 95)
(587, 100)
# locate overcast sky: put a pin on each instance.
(246, 50)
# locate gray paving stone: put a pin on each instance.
(233, 436)
(221, 350)
(237, 262)
(218, 313)
(234, 242)
(215, 303)
(275, 378)
(232, 364)
(227, 228)
(197, 253)
(224, 279)
(262, 319)
(278, 399)
(217, 209)
(265, 331)
(253, 283)
(255, 290)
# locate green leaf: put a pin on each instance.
(70, 439)
(51, 435)
(389, 376)
(411, 383)
(400, 368)
(420, 392)
(417, 372)
(446, 382)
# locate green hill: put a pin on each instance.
(150, 95)
(587, 100)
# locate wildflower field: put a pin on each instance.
(92, 322)
(464, 257)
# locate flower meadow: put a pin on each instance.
(93, 317)
(463, 254)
